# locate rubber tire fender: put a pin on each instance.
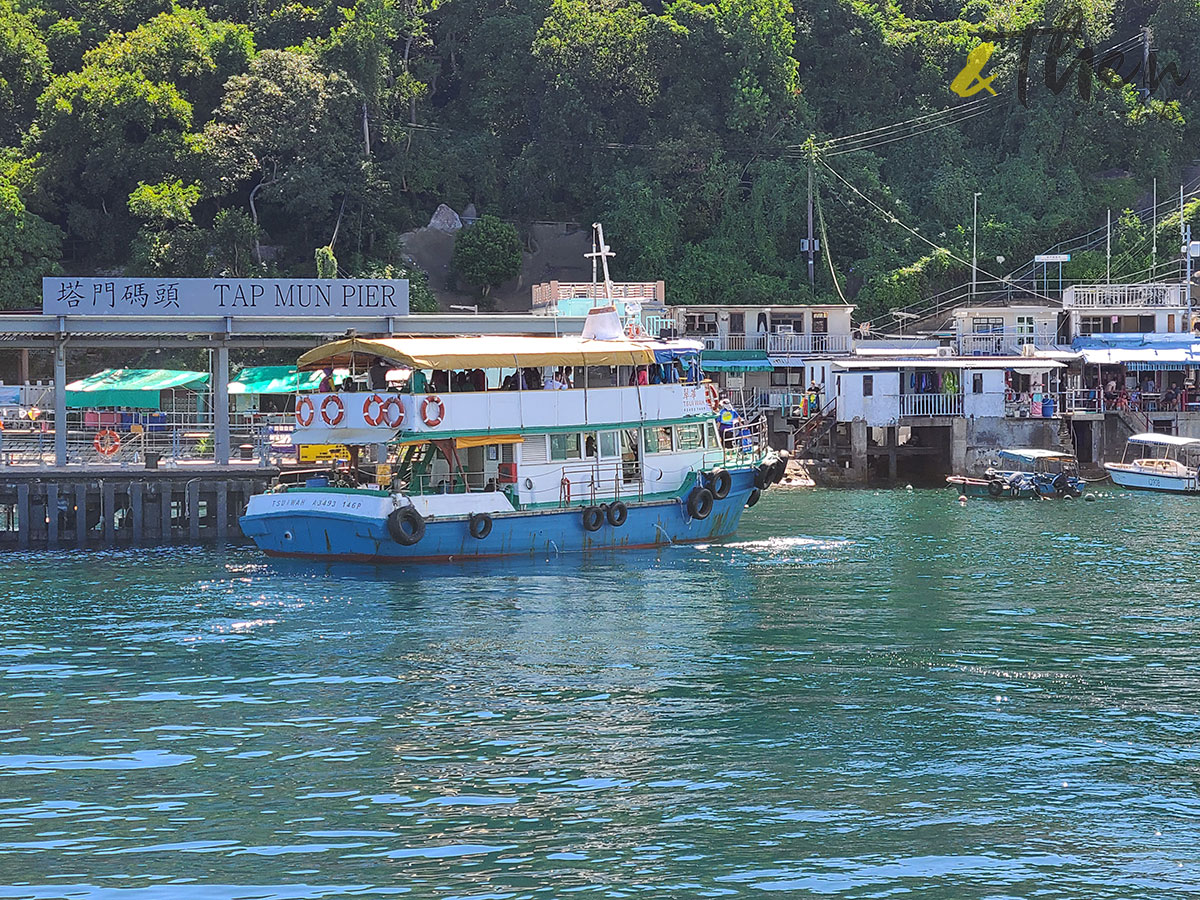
(618, 512)
(406, 525)
(996, 487)
(1062, 484)
(778, 470)
(762, 476)
(593, 518)
(719, 482)
(754, 497)
(700, 503)
(480, 525)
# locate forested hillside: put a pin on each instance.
(238, 136)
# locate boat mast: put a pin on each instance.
(600, 251)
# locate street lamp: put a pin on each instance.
(974, 243)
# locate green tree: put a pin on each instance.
(24, 70)
(487, 253)
(327, 264)
(29, 249)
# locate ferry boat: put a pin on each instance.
(1157, 462)
(483, 460)
(1034, 474)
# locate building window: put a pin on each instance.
(977, 383)
(987, 324)
(564, 447)
(700, 323)
(868, 385)
(820, 323)
(787, 324)
(737, 323)
(1024, 330)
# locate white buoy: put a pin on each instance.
(1089, 497)
(908, 487)
(962, 498)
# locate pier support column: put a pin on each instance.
(221, 405)
(166, 533)
(893, 437)
(108, 511)
(222, 489)
(958, 446)
(858, 449)
(81, 493)
(24, 519)
(51, 515)
(60, 403)
(136, 512)
(193, 510)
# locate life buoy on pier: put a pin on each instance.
(374, 402)
(305, 411)
(433, 410)
(339, 413)
(107, 442)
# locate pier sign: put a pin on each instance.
(237, 297)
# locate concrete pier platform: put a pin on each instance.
(47, 508)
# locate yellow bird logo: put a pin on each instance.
(969, 81)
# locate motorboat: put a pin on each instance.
(1157, 462)
(1031, 474)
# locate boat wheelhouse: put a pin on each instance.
(495, 446)
(1158, 462)
(1032, 473)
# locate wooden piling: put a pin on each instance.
(52, 515)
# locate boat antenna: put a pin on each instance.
(601, 251)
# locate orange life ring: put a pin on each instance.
(565, 485)
(390, 406)
(337, 416)
(433, 421)
(713, 396)
(107, 442)
(305, 412)
(378, 416)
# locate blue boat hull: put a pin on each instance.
(343, 538)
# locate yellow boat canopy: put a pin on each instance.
(485, 352)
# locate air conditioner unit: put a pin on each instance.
(784, 329)
(945, 351)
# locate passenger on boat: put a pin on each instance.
(440, 381)
(552, 383)
(564, 378)
(377, 375)
(326, 385)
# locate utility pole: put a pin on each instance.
(811, 273)
(1154, 235)
(1146, 86)
(974, 245)
(1108, 251)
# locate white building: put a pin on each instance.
(1005, 330)
(1126, 309)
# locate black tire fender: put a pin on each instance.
(593, 518)
(754, 497)
(406, 525)
(617, 514)
(996, 487)
(480, 525)
(719, 482)
(700, 503)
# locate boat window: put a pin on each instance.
(609, 445)
(658, 440)
(688, 437)
(565, 446)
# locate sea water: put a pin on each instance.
(865, 694)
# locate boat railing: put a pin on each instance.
(611, 480)
(744, 440)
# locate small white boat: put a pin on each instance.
(1158, 462)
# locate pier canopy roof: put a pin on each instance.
(134, 388)
(274, 380)
(499, 352)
